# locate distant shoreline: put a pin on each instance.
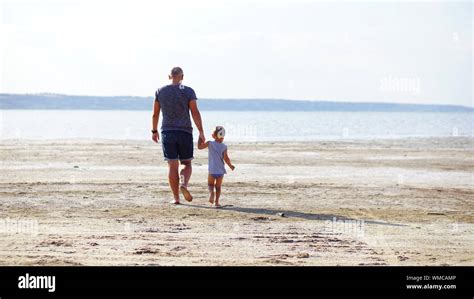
(453, 140)
(71, 102)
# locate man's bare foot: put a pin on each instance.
(175, 202)
(217, 205)
(211, 197)
(186, 193)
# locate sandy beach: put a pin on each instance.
(348, 202)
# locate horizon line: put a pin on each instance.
(236, 99)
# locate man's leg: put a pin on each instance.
(185, 151)
(173, 178)
(185, 175)
(186, 172)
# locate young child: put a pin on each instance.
(217, 156)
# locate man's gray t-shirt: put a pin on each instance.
(174, 103)
(216, 157)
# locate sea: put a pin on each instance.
(241, 126)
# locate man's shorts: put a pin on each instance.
(177, 145)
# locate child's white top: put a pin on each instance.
(216, 157)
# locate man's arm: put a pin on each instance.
(154, 122)
(197, 119)
(202, 145)
(227, 160)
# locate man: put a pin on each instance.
(175, 101)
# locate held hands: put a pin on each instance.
(202, 138)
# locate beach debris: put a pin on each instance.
(260, 218)
(402, 258)
(277, 256)
(436, 213)
(178, 248)
(277, 261)
(302, 255)
(145, 251)
(152, 230)
(56, 243)
(75, 166)
(239, 238)
(93, 244)
(281, 214)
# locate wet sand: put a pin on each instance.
(380, 202)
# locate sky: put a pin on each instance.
(357, 51)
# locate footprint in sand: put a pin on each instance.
(146, 251)
(402, 258)
(260, 218)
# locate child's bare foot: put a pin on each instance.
(211, 197)
(175, 202)
(186, 193)
(217, 205)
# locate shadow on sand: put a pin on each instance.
(291, 214)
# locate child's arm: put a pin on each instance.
(202, 145)
(227, 160)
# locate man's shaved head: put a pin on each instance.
(176, 75)
(176, 71)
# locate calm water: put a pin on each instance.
(240, 126)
